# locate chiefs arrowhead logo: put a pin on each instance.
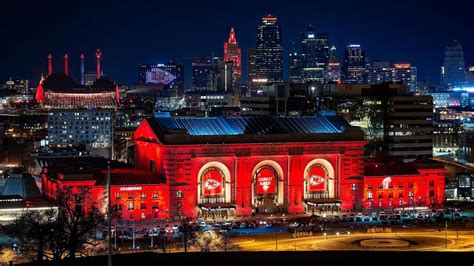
(211, 184)
(316, 180)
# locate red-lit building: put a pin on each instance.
(201, 167)
(388, 184)
(241, 166)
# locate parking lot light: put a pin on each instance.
(337, 233)
(348, 233)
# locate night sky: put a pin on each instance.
(155, 31)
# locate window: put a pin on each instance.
(118, 196)
(431, 183)
(142, 206)
(130, 195)
(400, 195)
(390, 196)
(410, 194)
(410, 184)
(154, 206)
(369, 186)
(432, 193)
(152, 166)
(354, 187)
(400, 185)
(380, 196)
(155, 194)
(401, 203)
(143, 195)
(370, 196)
(179, 194)
(130, 206)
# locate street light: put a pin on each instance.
(326, 235)
(337, 233)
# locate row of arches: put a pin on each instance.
(214, 183)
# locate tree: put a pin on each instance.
(208, 240)
(78, 217)
(187, 234)
(31, 229)
(7, 256)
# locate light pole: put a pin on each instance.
(109, 218)
(446, 235)
(276, 240)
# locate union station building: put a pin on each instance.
(241, 166)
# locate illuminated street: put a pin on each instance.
(425, 241)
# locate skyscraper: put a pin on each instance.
(354, 64)
(406, 74)
(333, 72)
(295, 68)
(232, 53)
(205, 74)
(379, 72)
(269, 51)
(453, 69)
(314, 55)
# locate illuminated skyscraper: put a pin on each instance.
(232, 53)
(269, 51)
(333, 72)
(453, 71)
(354, 64)
(314, 55)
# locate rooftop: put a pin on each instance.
(196, 130)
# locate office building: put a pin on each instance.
(453, 69)
(354, 64)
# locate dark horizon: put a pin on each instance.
(153, 32)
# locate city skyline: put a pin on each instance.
(65, 37)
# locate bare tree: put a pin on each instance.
(188, 234)
(31, 229)
(78, 218)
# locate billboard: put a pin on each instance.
(212, 182)
(316, 179)
(266, 181)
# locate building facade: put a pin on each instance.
(453, 70)
(269, 51)
(354, 64)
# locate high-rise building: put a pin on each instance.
(295, 68)
(322, 48)
(205, 74)
(251, 65)
(314, 55)
(453, 69)
(269, 51)
(379, 72)
(409, 126)
(406, 74)
(232, 53)
(226, 76)
(170, 75)
(470, 75)
(333, 72)
(354, 64)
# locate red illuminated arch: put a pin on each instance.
(319, 178)
(266, 181)
(213, 181)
